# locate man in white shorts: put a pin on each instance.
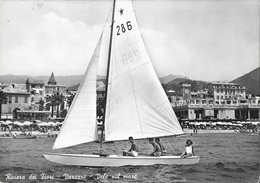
(133, 151)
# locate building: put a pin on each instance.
(219, 101)
(17, 98)
(36, 90)
(226, 92)
(52, 86)
(32, 115)
(26, 97)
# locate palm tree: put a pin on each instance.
(41, 105)
(59, 99)
(56, 100)
(50, 102)
(3, 100)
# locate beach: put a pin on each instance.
(190, 131)
(33, 133)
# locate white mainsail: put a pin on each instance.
(136, 102)
(80, 123)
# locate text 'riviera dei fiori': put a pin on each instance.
(42, 176)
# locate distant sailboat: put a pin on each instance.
(136, 104)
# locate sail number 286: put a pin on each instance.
(123, 28)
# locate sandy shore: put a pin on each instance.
(188, 131)
(34, 133)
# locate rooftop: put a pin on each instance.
(16, 88)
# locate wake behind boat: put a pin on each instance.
(135, 102)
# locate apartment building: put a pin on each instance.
(17, 98)
(218, 100)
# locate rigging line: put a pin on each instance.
(110, 11)
(87, 41)
(179, 144)
(169, 144)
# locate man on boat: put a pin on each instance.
(156, 148)
(163, 150)
(133, 151)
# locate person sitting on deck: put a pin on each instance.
(163, 150)
(156, 148)
(188, 149)
(133, 151)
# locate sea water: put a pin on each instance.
(224, 158)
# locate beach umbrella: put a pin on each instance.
(27, 123)
(255, 123)
(18, 123)
(239, 125)
(37, 121)
(42, 124)
(45, 124)
(213, 124)
(51, 123)
(224, 123)
(219, 123)
(8, 122)
(191, 123)
(229, 123)
(197, 124)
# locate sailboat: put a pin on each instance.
(136, 104)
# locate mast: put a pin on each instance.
(107, 79)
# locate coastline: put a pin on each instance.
(186, 131)
(33, 133)
(189, 131)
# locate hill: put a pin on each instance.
(168, 78)
(195, 85)
(251, 81)
(69, 81)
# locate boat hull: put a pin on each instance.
(115, 160)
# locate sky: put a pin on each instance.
(209, 40)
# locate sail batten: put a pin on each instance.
(136, 102)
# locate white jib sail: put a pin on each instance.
(80, 123)
(136, 102)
